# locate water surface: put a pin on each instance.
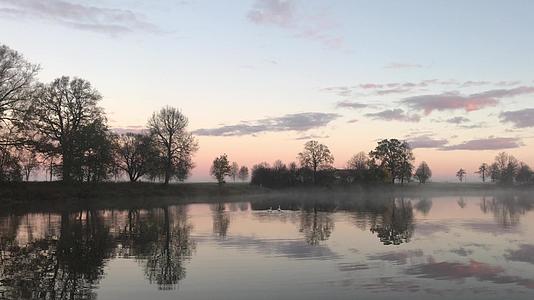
(476, 247)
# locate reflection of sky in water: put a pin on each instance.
(445, 247)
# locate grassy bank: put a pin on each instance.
(41, 196)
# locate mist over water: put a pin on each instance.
(281, 245)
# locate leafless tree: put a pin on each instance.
(175, 143)
(16, 80)
(315, 156)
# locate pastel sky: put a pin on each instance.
(258, 78)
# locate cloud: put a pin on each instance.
(352, 121)
(474, 269)
(79, 16)
(492, 143)
(394, 115)
(397, 258)
(399, 65)
(284, 14)
(349, 104)
(289, 122)
(520, 118)
(454, 100)
(273, 12)
(426, 141)
(457, 120)
(525, 253)
(312, 137)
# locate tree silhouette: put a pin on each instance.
(315, 156)
(175, 143)
(483, 171)
(423, 173)
(220, 168)
(461, 174)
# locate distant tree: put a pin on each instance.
(29, 162)
(494, 172)
(175, 143)
(16, 86)
(243, 173)
(423, 172)
(506, 167)
(359, 165)
(234, 170)
(461, 174)
(59, 113)
(136, 154)
(315, 156)
(524, 174)
(221, 168)
(394, 156)
(483, 170)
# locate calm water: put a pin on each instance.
(410, 248)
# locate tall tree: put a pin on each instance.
(176, 144)
(243, 173)
(136, 154)
(220, 168)
(29, 162)
(423, 172)
(461, 174)
(234, 170)
(16, 80)
(315, 157)
(60, 111)
(395, 156)
(524, 174)
(483, 171)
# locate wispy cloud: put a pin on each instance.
(129, 129)
(284, 14)
(400, 65)
(109, 21)
(457, 120)
(394, 115)
(311, 137)
(426, 141)
(492, 143)
(520, 118)
(454, 100)
(350, 104)
(290, 122)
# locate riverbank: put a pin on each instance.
(40, 196)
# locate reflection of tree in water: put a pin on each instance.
(316, 225)
(67, 266)
(461, 202)
(396, 223)
(424, 206)
(221, 219)
(161, 241)
(507, 208)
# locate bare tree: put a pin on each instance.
(243, 173)
(60, 111)
(234, 170)
(136, 154)
(16, 80)
(461, 174)
(29, 162)
(175, 143)
(483, 170)
(220, 168)
(315, 156)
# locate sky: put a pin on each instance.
(259, 78)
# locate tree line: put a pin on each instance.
(60, 127)
(391, 161)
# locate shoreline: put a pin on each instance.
(56, 196)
